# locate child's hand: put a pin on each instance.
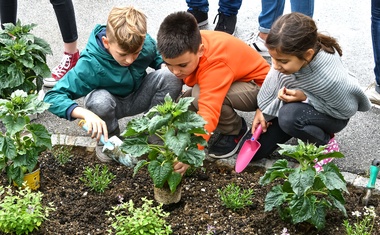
(259, 119)
(96, 126)
(288, 95)
(180, 167)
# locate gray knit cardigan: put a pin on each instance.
(330, 88)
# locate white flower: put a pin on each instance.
(356, 213)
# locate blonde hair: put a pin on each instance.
(127, 27)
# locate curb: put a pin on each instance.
(90, 144)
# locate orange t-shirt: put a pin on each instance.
(226, 59)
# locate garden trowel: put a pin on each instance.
(248, 150)
(111, 148)
(373, 171)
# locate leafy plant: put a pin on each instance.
(22, 59)
(23, 141)
(303, 194)
(62, 153)
(233, 198)
(128, 220)
(22, 211)
(362, 226)
(179, 132)
(97, 178)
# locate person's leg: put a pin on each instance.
(375, 31)
(227, 15)
(199, 9)
(64, 11)
(8, 11)
(303, 6)
(270, 11)
(270, 139)
(302, 121)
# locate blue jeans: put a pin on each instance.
(375, 30)
(227, 7)
(151, 92)
(272, 9)
(301, 121)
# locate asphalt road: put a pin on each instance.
(346, 20)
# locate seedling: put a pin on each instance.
(97, 178)
(129, 220)
(62, 154)
(234, 198)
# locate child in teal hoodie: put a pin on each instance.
(111, 74)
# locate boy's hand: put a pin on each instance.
(288, 96)
(180, 167)
(96, 126)
(259, 119)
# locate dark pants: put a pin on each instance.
(301, 121)
(64, 10)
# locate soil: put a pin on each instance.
(82, 211)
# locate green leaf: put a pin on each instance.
(301, 181)
(332, 177)
(277, 170)
(177, 142)
(174, 180)
(160, 172)
(140, 164)
(301, 209)
(190, 122)
(136, 146)
(275, 198)
(338, 200)
(41, 136)
(193, 156)
(319, 216)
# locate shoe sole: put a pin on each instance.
(49, 84)
(203, 23)
(227, 155)
(262, 53)
(101, 156)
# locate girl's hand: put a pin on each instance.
(288, 95)
(259, 119)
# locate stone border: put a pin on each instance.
(90, 144)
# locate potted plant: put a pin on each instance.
(22, 59)
(179, 133)
(22, 141)
(302, 194)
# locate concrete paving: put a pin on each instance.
(346, 20)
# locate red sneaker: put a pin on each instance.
(68, 62)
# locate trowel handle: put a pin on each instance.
(82, 123)
(257, 132)
(373, 171)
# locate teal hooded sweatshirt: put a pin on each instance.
(97, 69)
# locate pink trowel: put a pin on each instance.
(248, 150)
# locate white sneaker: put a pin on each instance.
(101, 155)
(373, 95)
(258, 44)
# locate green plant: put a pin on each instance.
(128, 220)
(23, 141)
(22, 211)
(362, 226)
(303, 194)
(97, 178)
(22, 59)
(233, 198)
(62, 153)
(179, 132)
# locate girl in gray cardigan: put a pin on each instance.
(308, 94)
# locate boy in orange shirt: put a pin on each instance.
(224, 74)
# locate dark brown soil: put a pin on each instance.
(82, 211)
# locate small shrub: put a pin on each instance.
(302, 194)
(62, 154)
(22, 211)
(96, 178)
(128, 220)
(362, 226)
(233, 198)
